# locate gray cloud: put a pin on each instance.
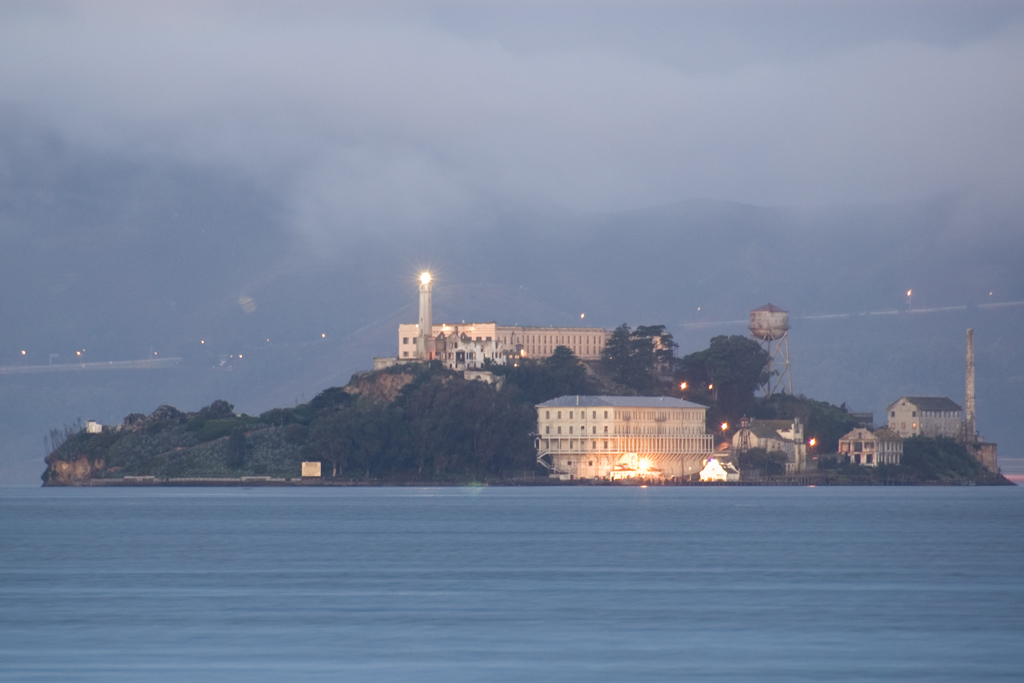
(407, 116)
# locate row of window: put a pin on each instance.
(933, 413)
(405, 340)
(583, 430)
(583, 414)
(583, 445)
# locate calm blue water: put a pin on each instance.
(512, 584)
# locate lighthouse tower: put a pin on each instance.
(425, 340)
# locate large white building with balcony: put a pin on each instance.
(618, 437)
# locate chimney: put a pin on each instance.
(969, 427)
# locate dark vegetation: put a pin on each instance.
(419, 422)
(938, 460)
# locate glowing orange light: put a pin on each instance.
(725, 425)
(23, 352)
(812, 442)
(323, 336)
(424, 277)
(909, 292)
(78, 353)
(682, 385)
(711, 386)
(239, 355)
(202, 341)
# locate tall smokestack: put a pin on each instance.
(425, 342)
(969, 428)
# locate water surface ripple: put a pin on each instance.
(512, 584)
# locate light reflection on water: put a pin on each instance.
(467, 584)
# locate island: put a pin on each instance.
(424, 423)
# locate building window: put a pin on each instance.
(903, 425)
(606, 429)
(488, 339)
(559, 415)
(547, 430)
(405, 354)
(559, 430)
(892, 414)
(405, 340)
(547, 414)
(568, 462)
(570, 429)
(593, 445)
(871, 458)
(914, 426)
(570, 414)
(590, 464)
(606, 414)
(606, 445)
(913, 413)
(593, 430)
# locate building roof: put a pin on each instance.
(769, 429)
(932, 404)
(771, 308)
(619, 402)
(886, 434)
(861, 433)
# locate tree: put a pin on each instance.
(560, 374)
(218, 410)
(638, 358)
(236, 448)
(617, 356)
(730, 370)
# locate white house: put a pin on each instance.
(716, 470)
(782, 436)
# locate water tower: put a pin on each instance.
(769, 327)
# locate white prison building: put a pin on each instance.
(606, 437)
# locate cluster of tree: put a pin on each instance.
(440, 427)
(533, 381)
(640, 359)
(725, 375)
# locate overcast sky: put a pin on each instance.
(411, 114)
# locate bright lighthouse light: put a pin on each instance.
(425, 277)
